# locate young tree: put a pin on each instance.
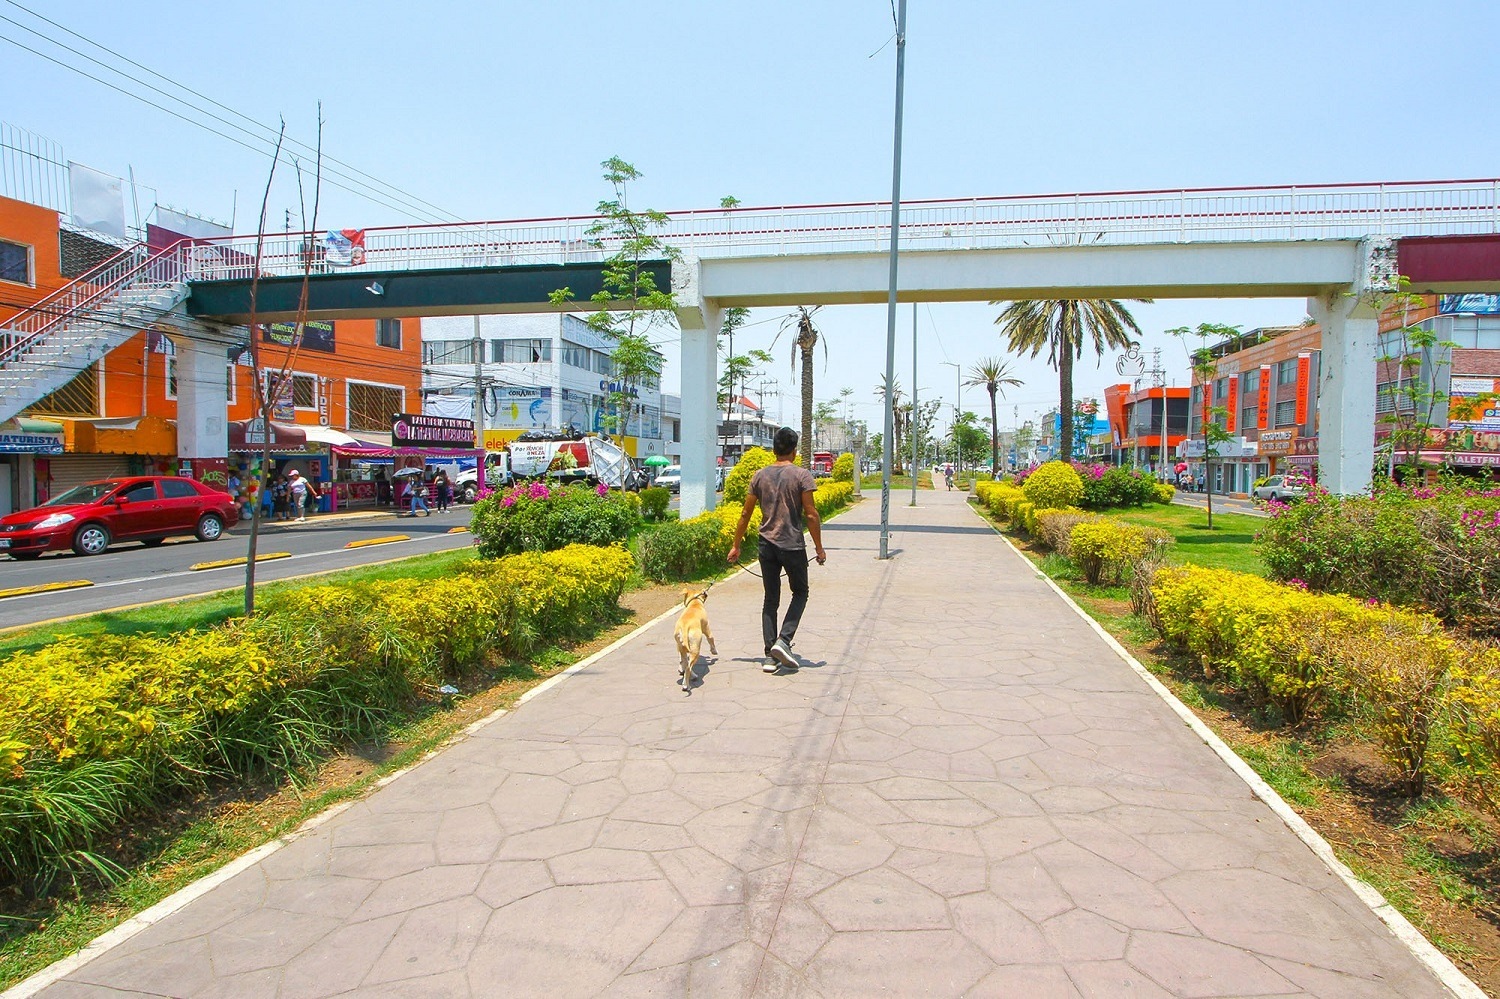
(823, 412)
(1204, 369)
(966, 437)
(633, 239)
(994, 374)
(1413, 402)
(1064, 327)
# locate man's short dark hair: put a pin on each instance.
(785, 442)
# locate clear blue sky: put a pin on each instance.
(505, 110)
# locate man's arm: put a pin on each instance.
(742, 526)
(814, 525)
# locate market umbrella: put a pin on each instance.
(407, 471)
(1181, 466)
(658, 459)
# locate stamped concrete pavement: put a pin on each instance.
(963, 792)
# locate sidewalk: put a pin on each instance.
(963, 791)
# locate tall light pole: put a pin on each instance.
(958, 380)
(916, 431)
(888, 447)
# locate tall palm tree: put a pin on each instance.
(803, 345)
(994, 374)
(1064, 326)
(900, 422)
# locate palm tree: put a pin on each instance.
(1063, 326)
(994, 374)
(806, 341)
(900, 421)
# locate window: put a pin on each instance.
(229, 386)
(141, 492)
(1286, 372)
(577, 357)
(15, 262)
(175, 489)
(171, 377)
(372, 406)
(1249, 416)
(448, 352)
(1250, 381)
(520, 351)
(388, 333)
(304, 392)
(1286, 413)
(1221, 390)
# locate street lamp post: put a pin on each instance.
(958, 393)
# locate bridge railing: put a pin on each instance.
(1437, 208)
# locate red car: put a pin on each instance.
(91, 517)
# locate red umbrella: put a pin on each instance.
(1181, 467)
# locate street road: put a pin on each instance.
(130, 573)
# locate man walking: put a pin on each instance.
(785, 494)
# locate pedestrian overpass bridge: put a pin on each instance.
(1339, 246)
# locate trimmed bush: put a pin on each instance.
(843, 468)
(1053, 486)
(536, 517)
(1165, 493)
(1436, 550)
(1103, 548)
(737, 482)
(1108, 487)
(654, 502)
(1055, 527)
(1474, 700)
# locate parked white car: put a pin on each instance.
(670, 478)
(1280, 488)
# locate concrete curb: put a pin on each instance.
(27, 591)
(1421, 948)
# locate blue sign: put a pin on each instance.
(1469, 305)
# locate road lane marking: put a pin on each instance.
(26, 591)
(389, 539)
(225, 563)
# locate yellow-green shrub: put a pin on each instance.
(1474, 702)
(1020, 514)
(1054, 486)
(843, 468)
(832, 496)
(1055, 527)
(737, 482)
(1165, 492)
(1102, 548)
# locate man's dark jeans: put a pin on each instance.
(772, 561)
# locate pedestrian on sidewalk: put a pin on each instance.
(414, 497)
(444, 491)
(300, 492)
(784, 492)
(279, 497)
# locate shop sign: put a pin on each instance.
(255, 432)
(421, 430)
(317, 334)
(1305, 446)
(1474, 401)
(1304, 376)
(1460, 438)
(31, 444)
(1237, 448)
(1275, 443)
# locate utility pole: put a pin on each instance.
(478, 346)
(1159, 377)
(916, 428)
(890, 326)
(958, 379)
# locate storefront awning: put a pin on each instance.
(143, 435)
(283, 436)
(24, 435)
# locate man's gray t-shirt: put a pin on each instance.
(779, 488)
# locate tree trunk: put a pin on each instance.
(994, 437)
(807, 406)
(1065, 401)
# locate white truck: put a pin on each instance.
(568, 457)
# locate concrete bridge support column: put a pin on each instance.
(1346, 395)
(202, 408)
(699, 322)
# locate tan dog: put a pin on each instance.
(692, 629)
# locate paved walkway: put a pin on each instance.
(962, 792)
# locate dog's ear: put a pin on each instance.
(687, 594)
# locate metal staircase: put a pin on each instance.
(47, 345)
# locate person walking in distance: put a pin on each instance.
(784, 492)
(444, 491)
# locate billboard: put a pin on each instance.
(1474, 401)
(316, 335)
(1469, 305)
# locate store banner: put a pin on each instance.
(1232, 403)
(1474, 400)
(1263, 404)
(317, 335)
(421, 430)
(1304, 375)
(344, 248)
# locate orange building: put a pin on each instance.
(118, 416)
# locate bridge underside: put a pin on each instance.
(366, 294)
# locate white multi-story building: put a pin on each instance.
(537, 371)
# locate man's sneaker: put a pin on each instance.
(770, 665)
(782, 653)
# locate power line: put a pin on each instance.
(368, 195)
(217, 104)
